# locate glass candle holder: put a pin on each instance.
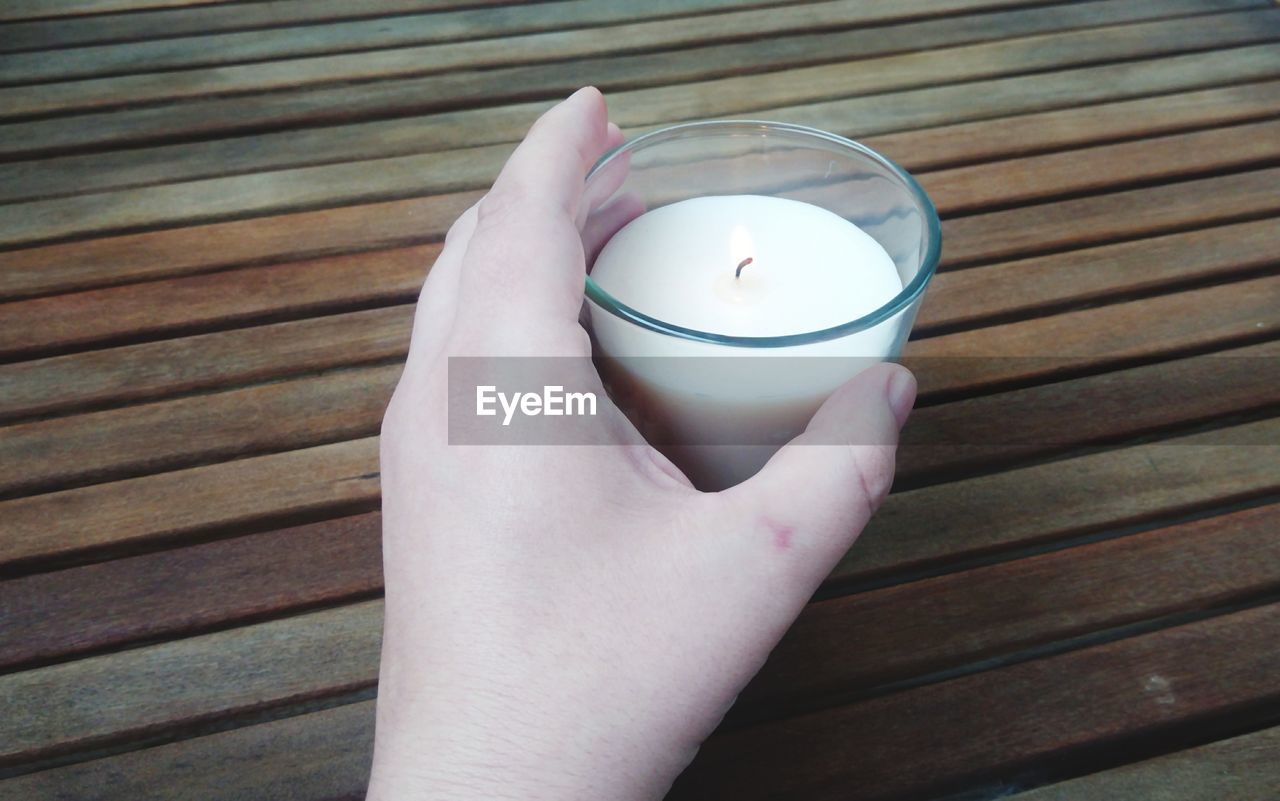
(736, 296)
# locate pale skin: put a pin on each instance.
(572, 622)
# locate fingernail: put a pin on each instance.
(902, 394)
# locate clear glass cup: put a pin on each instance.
(720, 404)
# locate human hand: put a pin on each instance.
(572, 622)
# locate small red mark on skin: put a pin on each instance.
(782, 536)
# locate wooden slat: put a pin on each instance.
(995, 722)
(1095, 275)
(319, 755)
(1207, 317)
(165, 595)
(152, 437)
(986, 432)
(940, 146)
(53, 454)
(884, 635)
(959, 190)
(325, 480)
(1013, 426)
(1207, 669)
(181, 683)
(466, 39)
(41, 9)
(48, 324)
(477, 18)
(63, 267)
(276, 572)
(1040, 348)
(782, 94)
(693, 33)
(849, 645)
(234, 297)
(1049, 502)
(975, 188)
(226, 358)
(49, 31)
(184, 251)
(1244, 768)
(151, 370)
(424, 44)
(1033, 230)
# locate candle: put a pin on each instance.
(738, 266)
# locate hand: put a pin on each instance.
(572, 622)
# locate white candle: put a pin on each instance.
(809, 270)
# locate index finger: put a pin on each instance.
(524, 271)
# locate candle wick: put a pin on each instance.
(738, 272)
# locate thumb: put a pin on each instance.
(818, 492)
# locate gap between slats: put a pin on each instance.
(1249, 616)
(755, 94)
(461, 19)
(560, 32)
(942, 444)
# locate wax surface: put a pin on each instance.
(810, 268)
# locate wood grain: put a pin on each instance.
(972, 518)
(217, 217)
(177, 252)
(170, 593)
(231, 298)
(173, 593)
(1055, 345)
(847, 646)
(939, 146)
(1154, 685)
(476, 18)
(1095, 275)
(63, 452)
(859, 641)
(23, 9)
(78, 96)
(323, 754)
(966, 190)
(1208, 669)
(1082, 222)
(424, 44)
(118, 443)
(985, 432)
(153, 370)
(956, 191)
(1244, 768)
(780, 95)
(228, 497)
(1090, 337)
(184, 251)
(187, 681)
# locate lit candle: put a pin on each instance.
(738, 266)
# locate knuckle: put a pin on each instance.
(874, 466)
(498, 206)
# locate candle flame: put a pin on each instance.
(740, 245)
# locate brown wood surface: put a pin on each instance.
(1236, 769)
(843, 646)
(1149, 684)
(694, 33)
(212, 584)
(214, 221)
(827, 88)
(1160, 683)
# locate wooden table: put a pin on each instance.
(216, 217)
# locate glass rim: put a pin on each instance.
(902, 300)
